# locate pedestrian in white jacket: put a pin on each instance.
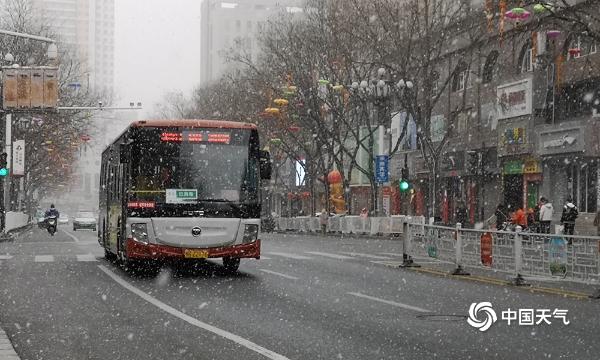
(546, 213)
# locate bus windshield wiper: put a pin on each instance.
(231, 204)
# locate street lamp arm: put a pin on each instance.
(27, 36)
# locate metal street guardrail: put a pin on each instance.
(520, 253)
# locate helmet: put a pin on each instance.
(51, 206)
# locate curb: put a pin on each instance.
(500, 282)
(342, 235)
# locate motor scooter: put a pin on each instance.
(51, 224)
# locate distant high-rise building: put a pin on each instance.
(87, 28)
(223, 22)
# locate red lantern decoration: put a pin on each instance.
(85, 138)
(334, 177)
(294, 128)
(575, 51)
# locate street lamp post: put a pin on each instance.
(375, 93)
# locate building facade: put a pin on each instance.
(227, 24)
(86, 28)
(529, 127)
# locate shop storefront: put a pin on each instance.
(568, 170)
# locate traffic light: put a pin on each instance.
(3, 165)
(404, 183)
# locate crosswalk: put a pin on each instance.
(266, 255)
(47, 258)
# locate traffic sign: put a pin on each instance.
(382, 168)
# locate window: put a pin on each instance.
(490, 67)
(585, 45)
(582, 185)
(526, 58)
(460, 80)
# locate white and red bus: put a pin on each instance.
(182, 189)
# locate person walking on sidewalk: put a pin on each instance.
(597, 222)
(500, 216)
(324, 219)
(461, 214)
(568, 217)
(546, 213)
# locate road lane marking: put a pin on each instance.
(390, 254)
(291, 256)
(368, 256)
(86, 257)
(333, 256)
(264, 258)
(44, 258)
(191, 320)
(71, 235)
(389, 302)
(278, 274)
(5, 257)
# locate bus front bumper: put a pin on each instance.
(138, 250)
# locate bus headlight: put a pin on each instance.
(139, 233)
(250, 233)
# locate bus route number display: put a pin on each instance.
(181, 196)
(195, 137)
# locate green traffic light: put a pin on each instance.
(3, 172)
(404, 185)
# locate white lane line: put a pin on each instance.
(278, 274)
(7, 351)
(44, 258)
(193, 321)
(5, 257)
(389, 302)
(264, 258)
(71, 235)
(390, 254)
(333, 256)
(288, 255)
(368, 256)
(86, 258)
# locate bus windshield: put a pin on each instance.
(190, 166)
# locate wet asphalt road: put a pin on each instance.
(309, 297)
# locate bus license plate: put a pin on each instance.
(195, 254)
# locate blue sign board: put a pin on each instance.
(382, 168)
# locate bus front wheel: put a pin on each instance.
(231, 264)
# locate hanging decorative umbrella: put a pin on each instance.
(518, 14)
(292, 88)
(552, 34)
(338, 87)
(272, 111)
(323, 82)
(540, 8)
(294, 128)
(281, 102)
(276, 141)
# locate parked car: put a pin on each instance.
(84, 220)
(63, 219)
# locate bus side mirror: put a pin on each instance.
(265, 165)
(124, 153)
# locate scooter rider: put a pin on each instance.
(52, 212)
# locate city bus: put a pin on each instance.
(179, 190)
